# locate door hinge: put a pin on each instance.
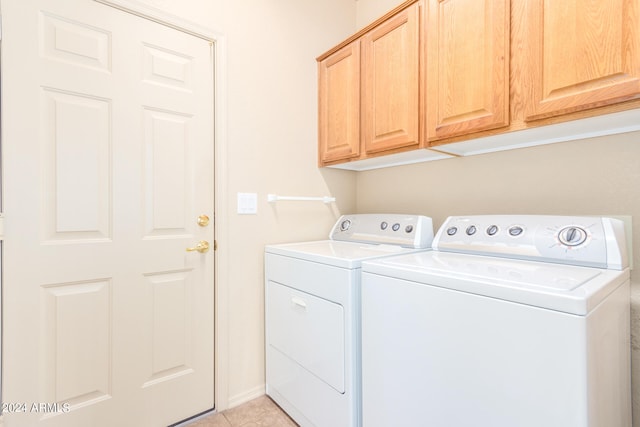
(215, 245)
(1, 226)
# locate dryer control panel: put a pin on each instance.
(410, 231)
(588, 241)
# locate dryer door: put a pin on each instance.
(310, 330)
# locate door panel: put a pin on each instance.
(391, 83)
(582, 54)
(468, 60)
(76, 194)
(339, 104)
(82, 348)
(166, 178)
(108, 161)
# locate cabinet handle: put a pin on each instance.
(299, 302)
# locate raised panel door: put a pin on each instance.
(391, 101)
(467, 66)
(107, 149)
(339, 105)
(580, 54)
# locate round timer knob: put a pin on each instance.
(572, 236)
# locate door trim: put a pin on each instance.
(221, 197)
(158, 15)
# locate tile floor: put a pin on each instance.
(260, 412)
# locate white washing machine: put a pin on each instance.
(312, 309)
(511, 321)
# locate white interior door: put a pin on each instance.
(107, 125)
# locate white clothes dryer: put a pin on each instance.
(509, 321)
(312, 314)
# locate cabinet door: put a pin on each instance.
(582, 54)
(391, 83)
(339, 105)
(468, 66)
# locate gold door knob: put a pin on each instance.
(203, 220)
(202, 247)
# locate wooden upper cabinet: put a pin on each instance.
(581, 54)
(434, 72)
(391, 82)
(467, 66)
(339, 104)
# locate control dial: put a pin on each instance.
(344, 225)
(572, 236)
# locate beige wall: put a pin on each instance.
(272, 128)
(271, 123)
(598, 176)
(368, 11)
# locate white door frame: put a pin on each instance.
(221, 337)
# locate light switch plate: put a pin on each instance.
(247, 203)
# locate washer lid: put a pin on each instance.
(337, 253)
(566, 288)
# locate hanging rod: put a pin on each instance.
(272, 198)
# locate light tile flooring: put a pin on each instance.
(260, 412)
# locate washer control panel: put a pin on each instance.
(412, 231)
(588, 241)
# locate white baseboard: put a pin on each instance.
(246, 396)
